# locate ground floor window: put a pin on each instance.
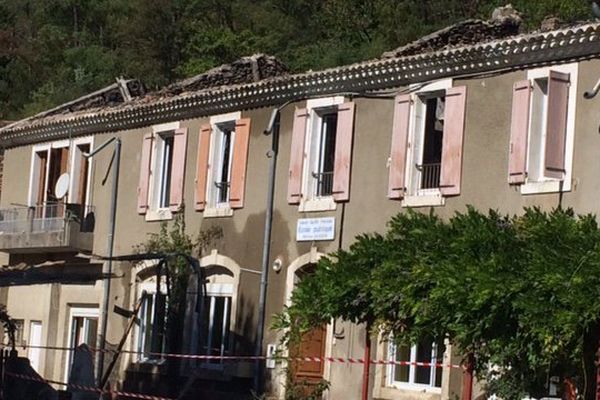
(151, 326)
(413, 375)
(216, 315)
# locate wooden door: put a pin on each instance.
(311, 345)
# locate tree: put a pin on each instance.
(516, 292)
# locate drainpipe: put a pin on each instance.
(273, 130)
(367, 363)
(107, 267)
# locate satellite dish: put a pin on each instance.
(62, 186)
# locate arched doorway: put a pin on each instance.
(317, 342)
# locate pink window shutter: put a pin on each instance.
(202, 167)
(178, 169)
(556, 126)
(297, 156)
(144, 182)
(239, 163)
(519, 129)
(452, 143)
(396, 186)
(343, 152)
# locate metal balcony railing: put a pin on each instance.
(430, 175)
(222, 191)
(324, 183)
(47, 217)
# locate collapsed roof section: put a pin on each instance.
(245, 70)
(505, 22)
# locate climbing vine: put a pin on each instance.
(517, 292)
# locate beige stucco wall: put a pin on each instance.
(484, 184)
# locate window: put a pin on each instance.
(542, 130)
(215, 317)
(412, 375)
(221, 165)
(427, 144)
(49, 162)
(320, 179)
(427, 150)
(83, 328)
(224, 136)
(162, 171)
(321, 154)
(163, 168)
(151, 338)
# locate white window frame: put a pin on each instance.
(154, 212)
(548, 185)
(148, 286)
(411, 385)
(315, 107)
(214, 290)
(214, 208)
(73, 163)
(82, 312)
(416, 197)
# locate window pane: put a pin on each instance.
(167, 164)
(401, 372)
(432, 143)
(224, 165)
(146, 324)
(423, 374)
(326, 154)
(92, 331)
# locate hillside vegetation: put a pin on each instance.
(52, 51)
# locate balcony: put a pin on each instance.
(50, 227)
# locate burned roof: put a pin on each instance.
(245, 70)
(505, 22)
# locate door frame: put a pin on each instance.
(311, 257)
(85, 312)
(36, 350)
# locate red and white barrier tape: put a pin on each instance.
(348, 360)
(87, 388)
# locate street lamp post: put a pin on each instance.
(107, 267)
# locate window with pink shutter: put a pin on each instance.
(519, 129)
(428, 137)
(343, 153)
(321, 155)
(297, 156)
(400, 126)
(544, 142)
(144, 183)
(202, 166)
(239, 163)
(556, 125)
(452, 147)
(177, 169)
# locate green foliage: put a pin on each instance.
(52, 51)
(517, 292)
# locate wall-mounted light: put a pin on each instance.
(277, 265)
